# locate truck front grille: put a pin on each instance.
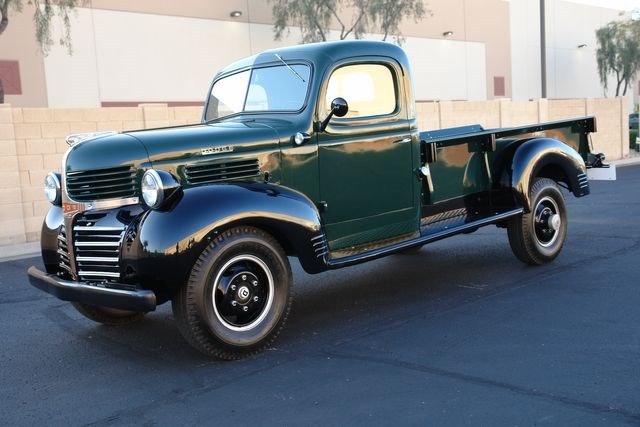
(100, 184)
(97, 249)
(222, 171)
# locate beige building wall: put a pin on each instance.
(481, 21)
(139, 63)
(18, 43)
(571, 71)
(121, 48)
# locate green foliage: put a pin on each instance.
(45, 12)
(618, 53)
(633, 134)
(315, 17)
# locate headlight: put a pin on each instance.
(152, 189)
(52, 188)
(157, 187)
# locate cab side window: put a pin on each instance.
(369, 89)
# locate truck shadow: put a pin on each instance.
(335, 306)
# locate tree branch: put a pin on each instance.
(4, 10)
(354, 25)
(342, 26)
(317, 24)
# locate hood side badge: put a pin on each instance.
(216, 150)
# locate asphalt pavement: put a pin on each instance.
(461, 333)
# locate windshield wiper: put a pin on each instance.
(287, 65)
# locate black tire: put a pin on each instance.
(108, 316)
(537, 237)
(238, 295)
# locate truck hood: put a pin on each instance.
(168, 147)
(192, 142)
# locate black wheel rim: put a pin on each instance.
(243, 292)
(547, 222)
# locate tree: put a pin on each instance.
(46, 10)
(314, 17)
(618, 53)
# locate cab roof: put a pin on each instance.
(323, 53)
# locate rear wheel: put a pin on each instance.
(108, 316)
(238, 295)
(537, 237)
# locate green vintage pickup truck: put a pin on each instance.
(310, 152)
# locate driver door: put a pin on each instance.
(365, 157)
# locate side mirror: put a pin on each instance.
(339, 108)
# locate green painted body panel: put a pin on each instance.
(460, 170)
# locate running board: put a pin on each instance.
(333, 264)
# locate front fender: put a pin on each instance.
(170, 241)
(534, 155)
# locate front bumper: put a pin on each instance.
(112, 297)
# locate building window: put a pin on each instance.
(498, 86)
(10, 76)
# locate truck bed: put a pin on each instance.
(579, 127)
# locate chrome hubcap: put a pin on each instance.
(243, 292)
(555, 222)
(547, 221)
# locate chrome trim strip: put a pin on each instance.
(98, 228)
(111, 203)
(98, 274)
(97, 258)
(99, 244)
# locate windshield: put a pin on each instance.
(279, 88)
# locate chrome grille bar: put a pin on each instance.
(93, 228)
(98, 244)
(98, 274)
(63, 250)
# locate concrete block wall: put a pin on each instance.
(611, 138)
(32, 140)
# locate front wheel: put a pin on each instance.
(238, 295)
(537, 237)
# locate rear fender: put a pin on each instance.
(546, 157)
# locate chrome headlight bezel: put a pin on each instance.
(53, 188)
(151, 189)
(157, 187)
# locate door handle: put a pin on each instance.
(402, 141)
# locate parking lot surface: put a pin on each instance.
(461, 333)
